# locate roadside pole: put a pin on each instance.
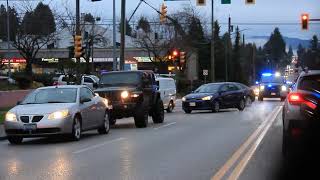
(78, 33)
(8, 39)
(114, 37)
(122, 30)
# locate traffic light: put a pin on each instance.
(163, 15)
(305, 21)
(201, 2)
(77, 46)
(182, 57)
(250, 1)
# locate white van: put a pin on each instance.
(168, 91)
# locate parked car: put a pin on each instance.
(88, 80)
(301, 112)
(168, 91)
(132, 94)
(215, 96)
(57, 110)
(6, 79)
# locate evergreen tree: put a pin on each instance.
(276, 48)
(235, 70)
(14, 23)
(88, 17)
(314, 43)
(219, 53)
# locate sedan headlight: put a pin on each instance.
(184, 99)
(58, 114)
(283, 88)
(261, 88)
(105, 102)
(11, 116)
(124, 94)
(207, 98)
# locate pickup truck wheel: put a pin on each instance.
(112, 121)
(158, 112)
(141, 118)
(14, 139)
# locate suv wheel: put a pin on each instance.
(104, 129)
(141, 118)
(187, 111)
(241, 105)
(170, 107)
(15, 140)
(260, 98)
(158, 112)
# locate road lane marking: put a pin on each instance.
(166, 125)
(223, 170)
(243, 163)
(97, 145)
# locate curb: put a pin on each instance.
(2, 133)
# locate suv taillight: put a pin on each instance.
(298, 99)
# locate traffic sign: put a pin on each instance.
(201, 2)
(205, 72)
(225, 1)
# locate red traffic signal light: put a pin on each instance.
(77, 46)
(305, 21)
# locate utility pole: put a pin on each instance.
(122, 30)
(212, 43)
(254, 62)
(114, 37)
(227, 49)
(8, 39)
(243, 40)
(78, 33)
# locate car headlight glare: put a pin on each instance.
(11, 117)
(184, 99)
(58, 114)
(124, 94)
(283, 88)
(207, 98)
(106, 102)
(261, 88)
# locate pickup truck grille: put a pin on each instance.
(111, 95)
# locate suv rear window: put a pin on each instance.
(310, 83)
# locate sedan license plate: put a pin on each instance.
(30, 127)
(192, 104)
(273, 94)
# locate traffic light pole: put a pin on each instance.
(122, 31)
(78, 33)
(212, 43)
(114, 37)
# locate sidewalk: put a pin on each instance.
(2, 133)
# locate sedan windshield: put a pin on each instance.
(111, 79)
(208, 88)
(53, 95)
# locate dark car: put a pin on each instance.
(272, 86)
(248, 92)
(132, 94)
(301, 113)
(215, 96)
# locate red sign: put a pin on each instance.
(14, 60)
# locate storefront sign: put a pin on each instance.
(14, 60)
(50, 60)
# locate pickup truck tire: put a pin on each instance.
(141, 118)
(158, 112)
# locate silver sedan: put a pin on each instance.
(57, 110)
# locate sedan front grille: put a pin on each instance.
(37, 118)
(24, 119)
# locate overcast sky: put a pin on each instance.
(271, 11)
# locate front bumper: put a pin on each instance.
(273, 94)
(44, 127)
(123, 109)
(199, 105)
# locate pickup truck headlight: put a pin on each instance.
(183, 99)
(124, 94)
(207, 98)
(58, 114)
(11, 117)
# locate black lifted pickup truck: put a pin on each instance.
(132, 94)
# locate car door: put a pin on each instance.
(236, 94)
(87, 108)
(225, 95)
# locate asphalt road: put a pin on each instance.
(201, 145)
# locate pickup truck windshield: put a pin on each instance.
(119, 79)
